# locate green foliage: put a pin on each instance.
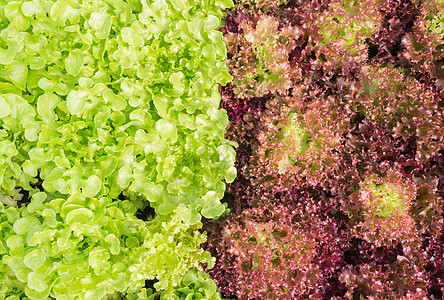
(194, 285)
(344, 28)
(434, 17)
(99, 99)
(349, 25)
(384, 214)
(115, 105)
(295, 141)
(88, 247)
(389, 201)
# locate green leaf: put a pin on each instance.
(98, 260)
(166, 130)
(179, 5)
(224, 3)
(5, 110)
(36, 202)
(61, 11)
(79, 215)
(209, 51)
(18, 266)
(213, 23)
(46, 104)
(226, 154)
(25, 224)
(124, 177)
(67, 208)
(36, 283)
(116, 102)
(210, 287)
(13, 14)
(85, 82)
(231, 174)
(8, 148)
(8, 88)
(211, 206)
(41, 237)
(55, 174)
(18, 74)
(190, 277)
(191, 216)
(13, 214)
(153, 192)
(114, 244)
(60, 161)
(108, 165)
(130, 37)
(50, 217)
(7, 56)
(93, 186)
(96, 294)
(15, 243)
(31, 133)
(101, 23)
(167, 207)
(176, 79)
(162, 104)
(36, 63)
(76, 102)
(29, 9)
(35, 259)
(74, 62)
(187, 120)
(115, 213)
(366, 85)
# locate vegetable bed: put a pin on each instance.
(112, 148)
(337, 107)
(209, 149)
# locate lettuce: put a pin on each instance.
(87, 248)
(101, 99)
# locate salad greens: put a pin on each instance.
(107, 108)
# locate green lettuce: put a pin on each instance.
(101, 99)
(87, 248)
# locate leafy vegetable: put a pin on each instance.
(101, 99)
(90, 247)
(351, 148)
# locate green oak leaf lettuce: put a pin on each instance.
(87, 248)
(117, 87)
(100, 99)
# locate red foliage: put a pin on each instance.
(282, 248)
(340, 161)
